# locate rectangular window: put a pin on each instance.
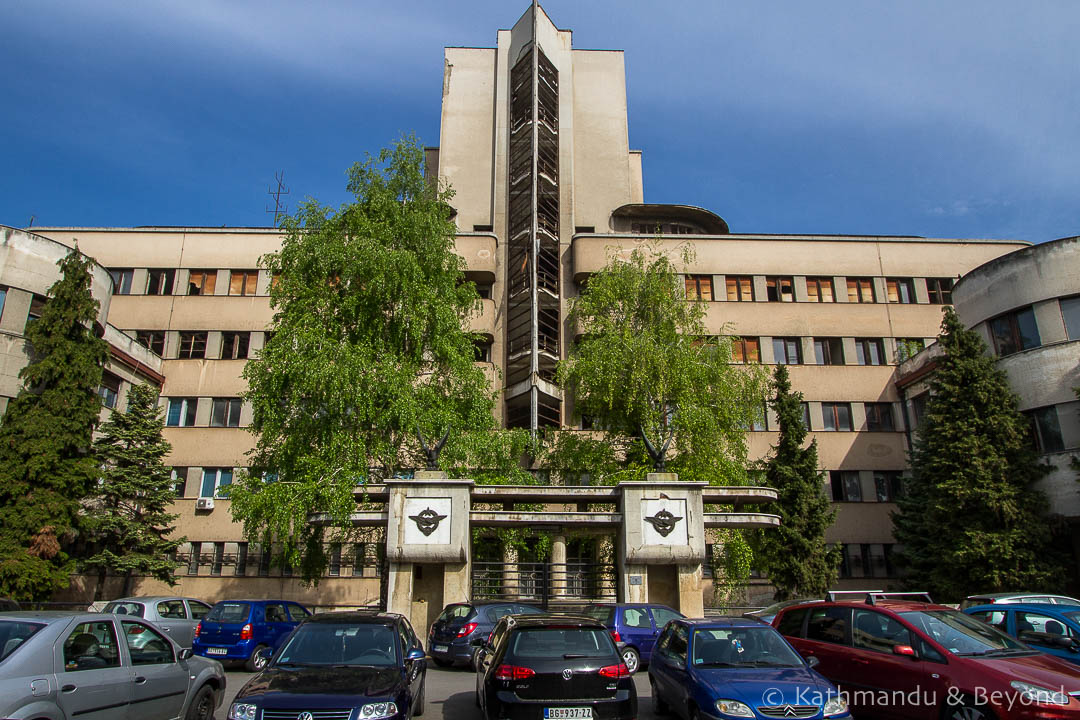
(829, 351)
(780, 289)
(482, 351)
(219, 558)
(787, 351)
(160, 282)
(1070, 313)
(192, 345)
(3, 299)
(266, 554)
(888, 484)
(805, 415)
(241, 559)
(900, 290)
(836, 416)
(699, 287)
(1045, 429)
(181, 411)
(234, 345)
(819, 289)
(153, 340)
(846, 486)
(758, 424)
(122, 278)
(879, 417)
(908, 348)
(939, 290)
(746, 350)
(869, 351)
(334, 568)
(215, 482)
(242, 282)
(202, 282)
(193, 561)
(37, 306)
(740, 288)
(225, 412)
(1015, 331)
(860, 290)
(109, 390)
(179, 481)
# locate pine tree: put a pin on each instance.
(794, 555)
(47, 465)
(970, 518)
(128, 524)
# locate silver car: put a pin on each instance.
(177, 616)
(59, 665)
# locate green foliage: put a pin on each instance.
(795, 556)
(128, 523)
(369, 370)
(971, 518)
(732, 560)
(47, 464)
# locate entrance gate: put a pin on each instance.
(544, 584)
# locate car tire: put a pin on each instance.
(418, 705)
(631, 659)
(202, 705)
(255, 663)
(443, 663)
(966, 710)
(659, 706)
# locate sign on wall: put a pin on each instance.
(427, 521)
(663, 522)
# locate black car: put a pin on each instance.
(362, 665)
(550, 667)
(452, 633)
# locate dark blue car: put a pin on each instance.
(1053, 629)
(451, 635)
(236, 630)
(736, 668)
(636, 625)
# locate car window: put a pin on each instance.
(664, 640)
(404, 639)
(991, 617)
(229, 612)
(663, 615)
(1037, 622)
(146, 646)
(872, 630)
(198, 609)
(636, 618)
(13, 634)
(91, 646)
(829, 624)
(555, 642)
(959, 633)
(344, 643)
(1064, 600)
(758, 645)
(494, 612)
(498, 633)
(451, 612)
(1038, 599)
(603, 613)
(125, 608)
(677, 646)
(298, 612)
(275, 612)
(927, 652)
(171, 609)
(527, 610)
(791, 622)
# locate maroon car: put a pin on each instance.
(920, 661)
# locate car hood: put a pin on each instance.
(768, 686)
(1045, 670)
(351, 685)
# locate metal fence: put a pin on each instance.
(545, 584)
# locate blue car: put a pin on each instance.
(451, 635)
(1053, 629)
(237, 630)
(635, 625)
(734, 667)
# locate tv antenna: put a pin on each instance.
(276, 193)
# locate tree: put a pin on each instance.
(970, 517)
(47, 465)
(128, 524)
(795, 556)
(370, 368)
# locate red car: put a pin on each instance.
(920, 661)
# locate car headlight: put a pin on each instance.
(1040, 695)
(835, 706)
(734, 708)
(374, 711)
(243, 711)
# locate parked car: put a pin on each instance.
(767, 613)
(635, 624)
(552, 667)
(342, 664)
(1017, 597)
(177, 616)
(236, 630)
(85, 665)
(736, 667)
(1053, 629)
(921, 661)
(451, 635)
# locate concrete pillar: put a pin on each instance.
(511, 579)
(558, 565)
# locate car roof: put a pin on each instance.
(629, 605)
(557, 620)
(259, 600)
(880, 603)
(721, 621)
(51, 616)
(1028, 607)
(1019, 594)
(354, 616)
(151, 598)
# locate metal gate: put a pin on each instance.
(547, 585)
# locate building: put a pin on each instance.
(534, 140)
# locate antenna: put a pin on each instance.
(279, 209)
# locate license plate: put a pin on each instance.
(441, 648)
(217, 651)
(570, 712)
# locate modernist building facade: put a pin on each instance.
(534, 141)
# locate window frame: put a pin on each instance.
(900, 291)
(152, 340)
(189, 407)
(786, 344)
(1044, 430)
(816, 287)
(207, 284)
(739, 288)
(939, 290)
(249, 280)
(864, 348)
(823, 350)
(859, 288)
(831, 414)
(740, 350)
(165, 281)
(122, 278)
(218, 473)
(1070, 316)
(1006, 333)
(225, 412)
(846, 486)
(196, 341)
(775, 288)
(240, 340)
(696, 287)
(880, 411)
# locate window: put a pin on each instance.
(181, 412)
(91, 646)
(856, 561)
(265, 556)
(109, 389)
(335, 560)
(3, 299)
(219, 558)
(1045, 429)
(939, 290)
(860, 290)
(829, 625)
(234, 345)
(241, 559)
(198, 609)
(225, 412)
(836, 416)
(869, 351)
(179, 481)
(1070, 313)
(879, 417)
(153, 340)
(484, 290)
(122, 280)
(791, 622)
(1015, 331)
(787, 351)
(819, 289)
(160, 282)
(900, 290)
(215, 482)
(482, 351)
(780, 289)
(202, 282)
(908, 348)
(192, 345)
(805, 417)
(37, 306)
(888, 485)
(242, 282)
(746, 350)
(829, 351)
(662, 616)
(757, 424)
(636, 618)
(846, 486)
(918, 407)
(878, 632)
(193, 561)
(1037, 622)
(699, 287)
(740, 288)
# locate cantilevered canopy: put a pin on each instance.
(708, 221)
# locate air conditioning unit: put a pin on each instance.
(204, 504)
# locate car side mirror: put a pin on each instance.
(813, 661)
(185, 653)
(906, 650)
(415, 654)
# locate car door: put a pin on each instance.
(661, 615)
(878, 666)
(1045, 632)
(196, 612)
(672, 678)
(636, 628)
(160, 683)
(407, 642)
(174, 621)
(93, 681)
(276, 625)
(828, 638)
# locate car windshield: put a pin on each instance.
(125, 608)
(743, 647)
(603, 613)
(341, 645)
(561, 642)
(962, 634)
(13, 634)
(452, 612)
(229, 612)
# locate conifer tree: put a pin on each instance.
(47, 465)
(970, 517)
(128, 524)
(794, 555)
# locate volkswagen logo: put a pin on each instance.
(566, 675)
(305, 716)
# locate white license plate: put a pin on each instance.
(441, 648)
(561, 713)
(217, 651)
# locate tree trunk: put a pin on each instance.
(100, 589)
(127, 584)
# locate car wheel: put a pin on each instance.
(631, 659)
(967, 711)
(418, 704)
(256, 662)
(659, 706)
(443, 663)
(202, 706)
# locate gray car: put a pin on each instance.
(177, 616)
(60, 665)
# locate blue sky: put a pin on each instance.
(957, 119)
